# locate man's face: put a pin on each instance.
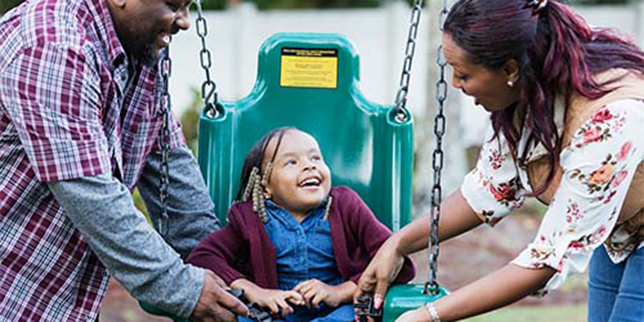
(145, 26)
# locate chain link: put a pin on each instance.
(402, 114)
(432, 286)
(208, 88)
(166, 71)
(209, 95)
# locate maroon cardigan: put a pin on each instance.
(242, 249)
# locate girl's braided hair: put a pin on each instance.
(254, 177)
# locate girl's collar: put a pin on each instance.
(325, 204)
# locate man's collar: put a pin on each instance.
(103, 21)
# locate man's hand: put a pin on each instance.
(215, 304)
(314, 292)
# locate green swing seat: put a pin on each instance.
(311, 81)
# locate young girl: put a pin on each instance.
(293, 244)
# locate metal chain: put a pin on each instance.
(432, 286)
(208, 88)
(402, 114)
(166, 71)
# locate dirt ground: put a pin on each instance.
(466, 258)
(462, 260)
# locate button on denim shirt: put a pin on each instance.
(303, 250)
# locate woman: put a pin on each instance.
(566, 104)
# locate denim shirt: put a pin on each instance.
(303, 250)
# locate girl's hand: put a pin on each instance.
(418, 315)
(314, 292)
(274, 300)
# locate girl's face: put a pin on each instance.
(488, 87)
(299, 180)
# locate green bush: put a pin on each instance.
(6, 5)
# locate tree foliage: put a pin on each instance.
(5, 5)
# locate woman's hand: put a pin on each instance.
(418, 315)
(314, 292)
(275, 300)
(382, 270)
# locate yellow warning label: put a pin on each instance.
(306, 67)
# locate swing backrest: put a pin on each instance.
(311, 81)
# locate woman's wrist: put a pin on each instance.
(396, 245)
(433, 314)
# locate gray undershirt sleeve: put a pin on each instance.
(101, 208)
(191, 212)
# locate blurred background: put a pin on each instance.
(378, 29)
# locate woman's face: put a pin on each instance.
(488, 87)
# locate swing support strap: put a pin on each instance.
(166, 70)
(402, 114)
(208, 88)
(432, 287)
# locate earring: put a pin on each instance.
(510, 84)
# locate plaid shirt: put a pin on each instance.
(65, 112)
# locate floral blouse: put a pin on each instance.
(598, 167)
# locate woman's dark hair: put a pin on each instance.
(558, 54)
(255, 156)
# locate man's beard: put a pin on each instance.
(148, 55)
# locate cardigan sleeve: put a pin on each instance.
(222, 250)
(371, 233)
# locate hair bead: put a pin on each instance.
(250, 184)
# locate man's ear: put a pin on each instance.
(512, 70)
(117, 3)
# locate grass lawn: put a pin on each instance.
(542, 313)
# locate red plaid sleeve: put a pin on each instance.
(52, 96)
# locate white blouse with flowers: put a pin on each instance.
(598, 167)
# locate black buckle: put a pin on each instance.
(364, 308)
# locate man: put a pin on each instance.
(80, 119)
